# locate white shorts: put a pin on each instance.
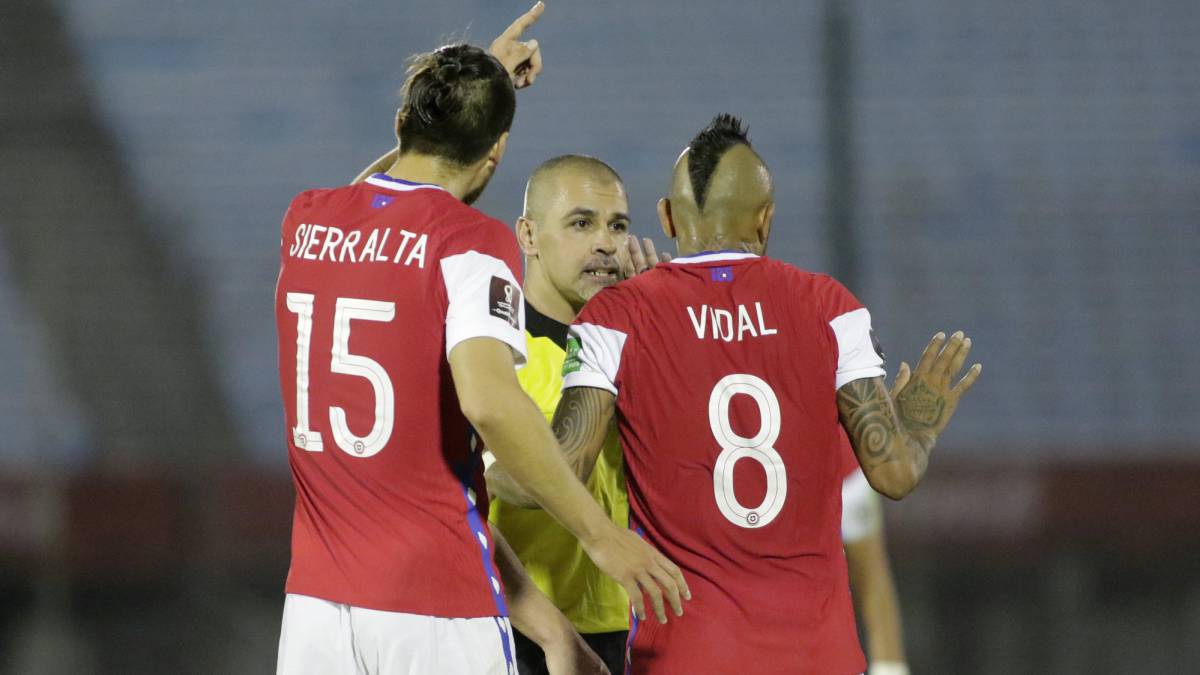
(326, 638)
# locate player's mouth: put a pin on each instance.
(606, 274)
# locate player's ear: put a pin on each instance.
(525, 237)
(497, 152)
(664, 217)
(765, 215)
(399, 121)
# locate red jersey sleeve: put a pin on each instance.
(291, 236)
(596, 341)
(859, 354)
(480, 265)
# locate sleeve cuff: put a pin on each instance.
(514, 339)
(848, 376)
(584, 379)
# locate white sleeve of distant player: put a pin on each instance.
(596, 357)
(484, 301)
(862, 513)
(857, 357)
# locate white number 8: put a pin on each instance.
(759, 448)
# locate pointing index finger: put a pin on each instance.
(523, 22)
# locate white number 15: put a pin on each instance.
(344, 363)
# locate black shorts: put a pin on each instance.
(610, 647)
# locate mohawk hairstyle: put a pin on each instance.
(707, 148)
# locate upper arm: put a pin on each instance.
(581, 423)
(482, 369)
(858, 352)
(598, 342)
(596, 348)
(483, 294)
(864, 405)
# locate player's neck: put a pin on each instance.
(721, 236)
(417, 168)
(540, 293)
(692, 246)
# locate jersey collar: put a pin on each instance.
(400, 185)
(540, 325)
(713, 256)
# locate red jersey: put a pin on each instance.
(726, 367)
(378, 282)
(850, 465)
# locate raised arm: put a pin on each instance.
(893, 439)
(581, 423)
(380, 165)
(522, 60)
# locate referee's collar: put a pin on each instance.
(540, 325)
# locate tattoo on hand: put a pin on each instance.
(920, 404)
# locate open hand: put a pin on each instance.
(639, 568)
(639, 256)
(927, 397)
(522, 60)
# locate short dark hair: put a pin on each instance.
(577, 161)
(537, 186)
(458, 100)
(707, 148)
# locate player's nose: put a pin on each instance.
(606, 242)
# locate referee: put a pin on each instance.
(574, 235)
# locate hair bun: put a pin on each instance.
(436, 98)
(447, 72)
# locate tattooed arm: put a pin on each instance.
(581, 423)
(893, 437)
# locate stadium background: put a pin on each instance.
(1026, 171)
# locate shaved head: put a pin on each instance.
(739, 186)
(547, 179)
(573, 233)
(722, 195)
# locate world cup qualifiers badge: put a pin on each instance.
(504, 301)
(571, 362)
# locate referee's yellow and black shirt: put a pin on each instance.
(553, 557)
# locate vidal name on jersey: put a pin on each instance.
(718, 324)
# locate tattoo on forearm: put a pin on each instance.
(866, 414)
(581, 420)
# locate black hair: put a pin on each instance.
(707, 148)
(458, 100)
